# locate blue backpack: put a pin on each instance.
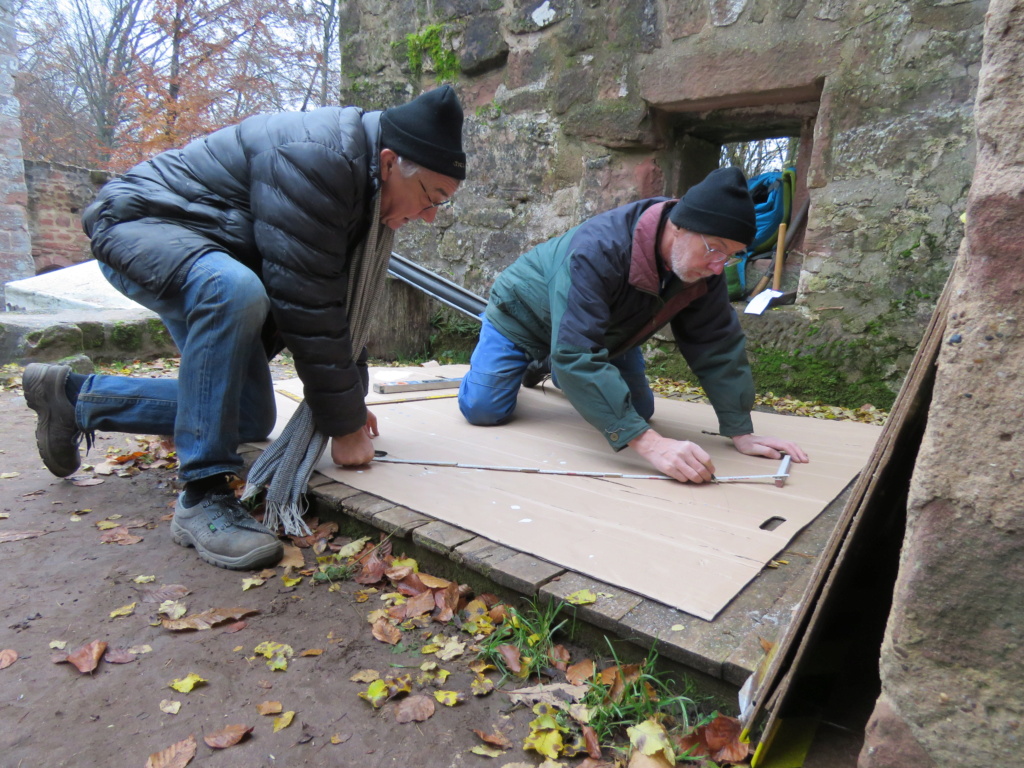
(772, 193)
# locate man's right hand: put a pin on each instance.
(352, 450)
(680, 459)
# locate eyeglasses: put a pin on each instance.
(442, 204)
(721, 258)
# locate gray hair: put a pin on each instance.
(407, 167)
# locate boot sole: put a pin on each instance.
(262, 557)
(34, 386)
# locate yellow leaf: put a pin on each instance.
(253, 582)
(650, 738)
(283, 721)
(291, 581)
(451, 650)
(376, 693)
(352, 549)
(487, 751)
(144, 579)
(312, 652)
(186, 684)
(405, 562)
(124, 610)
(59, 645)
(677, 627)
(269, 708)
(450, 698)
(581, 597)
(106, 525)
(546, 742)
(172, 609)
(363, 595)
(365, 676)
(170, 707)
(481, 685)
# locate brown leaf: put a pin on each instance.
(207, 619)
(399, 573)
(722, 736)
(386, 632)
(693, 742)
(447, 600)
(120, 535)
(420, 604)
(238, 626)
(157, 594)
(592, 763)
(293, 557)
(559, 656)
(414, 709)
(118, 656)
(227, 736)
(269, 708)
(488, 599)
(590, 739)
(7, 657)
(434, 582)
(580, 672)
(373, 570)
(86, 658)
(19, 535)
(83, 481)
(624, 675)
(411, 585)
(175, 756)
(511, 656)
(498, 614)
(498, 739)
(321, 532)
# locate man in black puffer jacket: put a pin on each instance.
(242, 242)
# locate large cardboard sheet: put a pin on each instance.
(690, 547)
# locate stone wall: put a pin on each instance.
(952, 661)
(574, 106)
(15, 248)
(57, 194)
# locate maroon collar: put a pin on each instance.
(643, 264)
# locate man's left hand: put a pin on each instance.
(769, 447)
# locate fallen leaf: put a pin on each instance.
(420, 604)
(269, 708)
(312, 652)
(144, 579)
(253, 582)
(651, 738)
(106, 525)
(580, 672)
(497, 738)
(452, 649)
(175, 756)
(207, 619)
(7, 657)
(386, 632)
(238, 626)
(486, 751)
(450, 698)
(559, 656)
(59, 645)
(277, 654)
(172, 609)
(545, 741)
(414, 709)
(639, 760)
(340, 738)
(19, 535)
(352, 549)
(118, 656)
(163, 593)
(227, 736)
(593, 745)
(433, 582)
(186, 684)
(8, 475)
(581, 597)
(120, 536)
(376, 693)
(365, 676)
(510, 654)
(291, 581)
(83, 481)
(140, 649)
(86, 658)
(722, 736)
(124, 610)
(292, 557)
(559, 695)
(282, 722)
(170, 707)
(481, 686)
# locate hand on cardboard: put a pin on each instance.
(355, 448)
(680, 459)
(769, 447)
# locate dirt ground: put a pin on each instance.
(61, 587)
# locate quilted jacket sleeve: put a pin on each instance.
(308, 205)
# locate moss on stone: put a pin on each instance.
(158, 332)
(126, 337)
(92, 334)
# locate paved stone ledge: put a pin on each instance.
(721, 654)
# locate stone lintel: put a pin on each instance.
(440, 537)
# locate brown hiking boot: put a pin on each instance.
(57, 434)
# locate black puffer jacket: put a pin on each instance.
(289, 196)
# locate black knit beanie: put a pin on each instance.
(428, 131)
(719, 206)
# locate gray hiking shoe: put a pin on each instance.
(224, 534)
(57, 434)
(536, 372)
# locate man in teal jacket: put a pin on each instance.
(584, 303)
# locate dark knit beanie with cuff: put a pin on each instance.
(428, 131)
(719, 206)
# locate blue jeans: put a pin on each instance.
(223, 394)
(488, 393)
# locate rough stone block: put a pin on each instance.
(363, 506)
(606, 613)
(695, 644)
(524, 573)
(399, 521)
(440, 537)
(481, 555)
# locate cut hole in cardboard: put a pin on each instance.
(772, 523)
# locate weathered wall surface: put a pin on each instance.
(57, 194)
(575, 106)
(15, 248)
(953, 657)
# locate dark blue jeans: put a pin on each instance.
(223, 394)
(489, 392)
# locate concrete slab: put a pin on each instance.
(79, 287)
